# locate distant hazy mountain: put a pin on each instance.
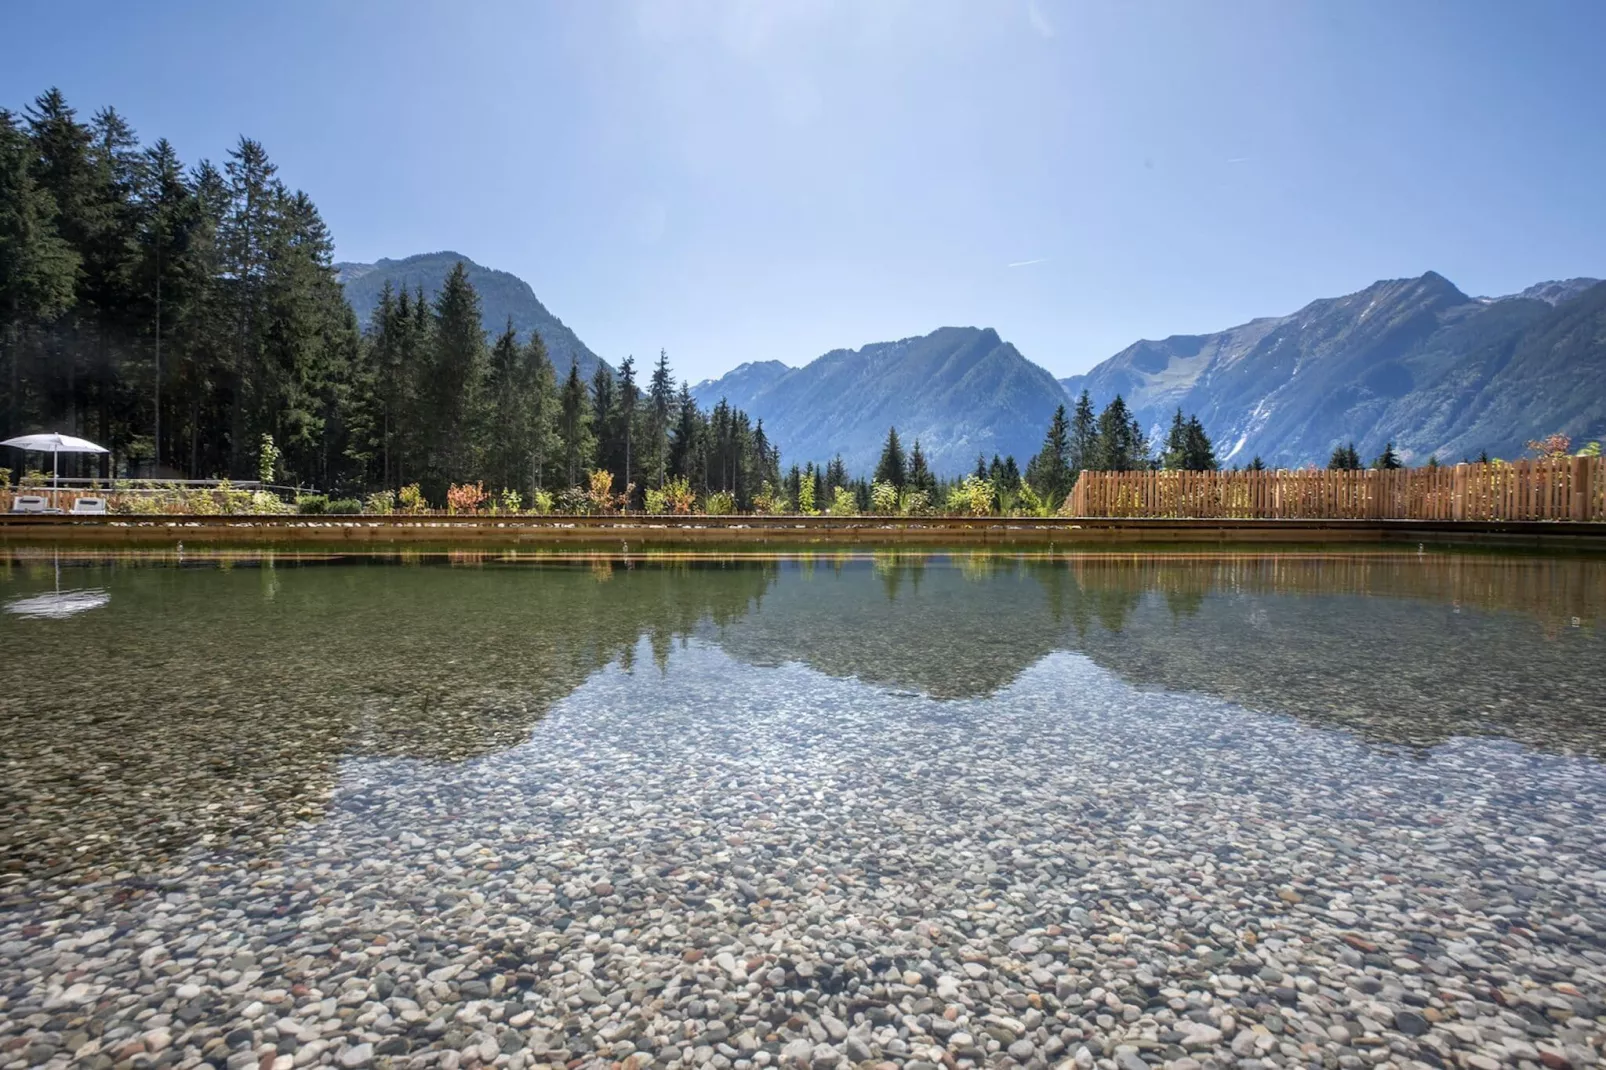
(959, 390)
(501, 295)
(1412, 361)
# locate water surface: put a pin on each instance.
(467, 809)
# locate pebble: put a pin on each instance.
(1112, 849)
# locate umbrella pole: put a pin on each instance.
(55, 471)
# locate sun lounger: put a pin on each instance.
(89, 507)
(30, 503)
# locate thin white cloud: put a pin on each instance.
(1028, 263)
(1038, 20)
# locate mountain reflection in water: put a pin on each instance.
(213, 704)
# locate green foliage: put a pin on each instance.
(1188, 448)
(892, 468)
(883, 498)
(1345, 459)
(268, 457)
(843, 503)
(770, 501)
(1052, 469)
(805, 495)
(1388, 459)
(411, 499)
(540, 501)
(971, 496)
(312, 504)
(719, 503)
(345, 506)
(380, 502)
(1030, 503)
(1591, 450)
(914, 502)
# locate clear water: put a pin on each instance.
(367, 766)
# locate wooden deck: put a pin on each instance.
(614, 532)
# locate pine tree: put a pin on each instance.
(1174, 456)
(629, 396)
(1116, 450)
(1084, 436)
(892, 467)
(1050, 472)
(685, 445)
(37, 265)
(836, 475)
(1388, 459)
(574, 426)
(920, 475)
(1345, 458)
(1257, 465)
(1198, 453)
(660, 406)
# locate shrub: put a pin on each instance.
(573, 501)
(1591, 450)
(914, 503)
(883, 499)
(540, 501)
(1557, 445)
(465, 497)
(843, 503)
(312, 504)
(600, 493)
(720, 503)
(267, 503)
(769, 501)
(510, 501)
(380, 501)
(973, 497)
(805, 496)
(654, 500)
(1030, 504)
(345, 506)
(411, 499)
(679, 496)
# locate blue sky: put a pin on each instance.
(752, 180)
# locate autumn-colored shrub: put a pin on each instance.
(465, 497)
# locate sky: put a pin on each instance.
(735, 180)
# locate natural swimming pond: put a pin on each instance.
(1254, 810)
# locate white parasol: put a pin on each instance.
(54, 444)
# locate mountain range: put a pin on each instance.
(503, 296)
(1413, 361)
(959, 392)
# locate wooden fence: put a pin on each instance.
(1563, 488)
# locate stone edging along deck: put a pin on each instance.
(380, 532)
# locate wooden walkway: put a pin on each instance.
(379, 533)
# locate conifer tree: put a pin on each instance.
(1388, 459)
(660, 406)
(892, 468)
(1050, 472)
(574, 426)
(920, 474)
(1084, 436)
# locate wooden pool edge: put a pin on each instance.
(378, 533)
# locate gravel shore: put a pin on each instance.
(711, 864)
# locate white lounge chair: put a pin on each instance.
(30, 503)
(88, 507)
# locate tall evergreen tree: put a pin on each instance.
(892, 468)
(920, 474)
(574, 426)
(1050, 473)
(660, 409)
(1084, 436)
